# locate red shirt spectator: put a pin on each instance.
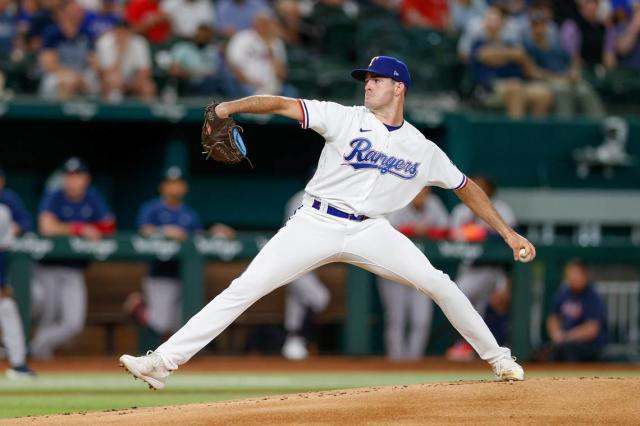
(146, 18)
(425, 13)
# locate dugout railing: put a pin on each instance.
(360, 287)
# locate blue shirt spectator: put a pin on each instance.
(577, 322)
(75, 209)
(170, 217)
(551, 57)
(73, 50)
(100, 22)
(91, 208)
(8, 28)
(485, 75)
(575, 309)
(623, 39)
(237, 15)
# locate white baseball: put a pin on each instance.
(523, 253)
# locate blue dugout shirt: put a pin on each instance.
(157, 213)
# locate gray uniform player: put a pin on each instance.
(10, 323)
(304, 295)
(477, 281)
(407, 315)
(59, 294)
(166, 216)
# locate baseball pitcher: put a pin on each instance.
(373, 162)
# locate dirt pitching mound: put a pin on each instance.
(547, 401)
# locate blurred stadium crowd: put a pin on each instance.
(535, 57)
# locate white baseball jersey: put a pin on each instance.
(366, 169)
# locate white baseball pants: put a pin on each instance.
(310, 239)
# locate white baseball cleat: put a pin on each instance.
(295, 348)
(507, 369)
(149, 368)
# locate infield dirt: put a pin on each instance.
(534, 401)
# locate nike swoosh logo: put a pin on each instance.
(363, 130)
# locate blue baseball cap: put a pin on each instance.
(385, 66)
(75, 165)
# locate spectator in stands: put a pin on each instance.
(166, 217)
(8, 33)
(67, 57)
(571, 91)
(14, 220)
(576, 324)
(41, 20)
(465, 11)
(186, 16)
(59, 294)
(584, 38)
(198, 67)
(289, 14)
(433, 14)
(258, 59)
(124, 61)
(148, 19)
(623, 38)
(517, 10)
(477, 29)
(238, 15)
(478, 280)
(407, 312)
(499, 68)
(104, 18)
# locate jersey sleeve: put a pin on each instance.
(326, 118)
(443, 173)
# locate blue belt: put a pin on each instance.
(339, 213)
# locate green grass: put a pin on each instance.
(65, 393)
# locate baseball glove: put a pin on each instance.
(221, 139)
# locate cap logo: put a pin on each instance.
(396, 73)
(375, 58)
(73, 164)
